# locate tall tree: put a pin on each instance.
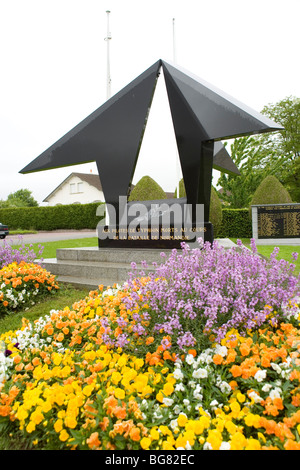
(21, 198)
(238, 190)
(284, 146)
(275, 154)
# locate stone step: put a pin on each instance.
(91, 284)
(90, 269)
(119, 255)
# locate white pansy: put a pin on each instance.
(200, 373)
(192, 383)
(190, 359)
(275, 393)
(179, 387)
(222, 350)
(255, 397)
(178, 375)
(214, 404)
(260, 375)
(197, 395)
(174, 424)
(207, 446)
(276, 367)
(224, 446)
(266, 388)
(224, 387)
(168, 401)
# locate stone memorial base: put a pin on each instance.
(89, 267)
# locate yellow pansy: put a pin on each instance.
(63, 436)
(119, 393)
(145, 443)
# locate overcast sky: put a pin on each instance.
(53, 70)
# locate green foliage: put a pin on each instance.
(147, 190)
(271, 191)
(284, 147)
(181, 189)
(235, 223)
(20, 198)
(215, 212)
(266, 154)
(238, 189)
(71, 216)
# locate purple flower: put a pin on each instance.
(213, 289)
(9, 255)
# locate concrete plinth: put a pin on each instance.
(90, 267)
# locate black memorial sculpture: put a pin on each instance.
(112, 136)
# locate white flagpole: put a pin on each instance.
(107, 39)
(177, 161)
(108, 83)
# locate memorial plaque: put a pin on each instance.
(159, 237)
(278, 221)
(153, 224)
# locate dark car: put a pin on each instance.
(3, 230)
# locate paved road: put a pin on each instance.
(42, 237)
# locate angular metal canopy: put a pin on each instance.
(221, 116)
(222, 161)
(112, 135)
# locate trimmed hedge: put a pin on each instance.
(235, 222)
(71, 216)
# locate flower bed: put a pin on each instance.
(21, 283)
(102, 374)
(18, 252)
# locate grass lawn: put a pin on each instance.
(51, 247)
(285, 251)
(64, 297)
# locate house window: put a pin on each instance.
(76, 188)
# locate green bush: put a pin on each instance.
(147, 190)
(270, 191)
(71, 216)
(215, 211)
(235, 223)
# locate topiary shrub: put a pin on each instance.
(215, 211)
(147, 190)
(271, 191)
